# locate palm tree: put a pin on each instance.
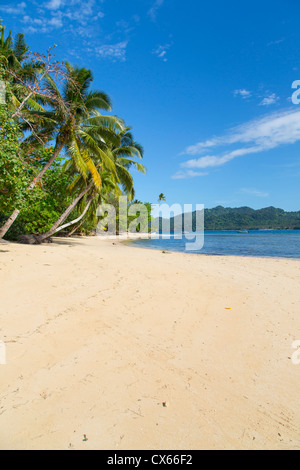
(88, 208)
(20, 72)
(12, 50)
(69, 114)
(124, 155)
(162, 198)
(90, 195)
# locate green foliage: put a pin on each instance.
(56, 105)
(122, 219)
(40, 207)
(51, 196)
(14, 179)
(245, 218)
(222, 218)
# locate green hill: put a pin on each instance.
(221, 218)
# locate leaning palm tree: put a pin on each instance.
(88, 195)
(62, 121)
(88, 207)
(68, 111)
(92, 180)
(87, 190)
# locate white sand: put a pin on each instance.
(98, 335)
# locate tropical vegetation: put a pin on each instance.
(244, 218)
(62, 154)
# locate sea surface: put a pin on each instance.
(260, 243)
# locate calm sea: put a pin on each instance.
(273, 243)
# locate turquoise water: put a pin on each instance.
(273, 243)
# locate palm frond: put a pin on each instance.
(93, 170)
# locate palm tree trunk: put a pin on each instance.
(62, 227)
(57, 226)
(4, 229)
(74, 230)
(58, 148)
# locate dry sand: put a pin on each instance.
(99, 336)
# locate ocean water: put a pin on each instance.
(270, 243)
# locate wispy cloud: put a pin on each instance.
(275, 43)
(154, 9)
(210, 161)
(58, 14)
(255, 192)
(54, 4)
(269, 100)
(243, 93)
(42, 25)
(18, 9)
(113, 51)
(161, 52)
(252, 137)
(187, 174)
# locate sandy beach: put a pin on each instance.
(114, 347)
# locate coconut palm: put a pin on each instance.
(88, 208)
(88, 193)
(20, 72)
(87, 198)
(12, 51)
(124, 155)
(62, 122)
(68, 111)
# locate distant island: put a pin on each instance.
(244, 218)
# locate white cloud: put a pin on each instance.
(200, 147)
(252, 137)
(42, 24)
(213, 161)
(186, 174)
(268, 100)
(83, 11)
(113, 51)
(161, 51)
(14, 10)
(243, 93)
(54, 4)
(275, 43)
(255, 192)
(271, 99)
(56, 14)
(55, 22)
(154, 9)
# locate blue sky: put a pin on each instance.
(206, 86)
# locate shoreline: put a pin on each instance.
(99, 335)
(129, 242)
